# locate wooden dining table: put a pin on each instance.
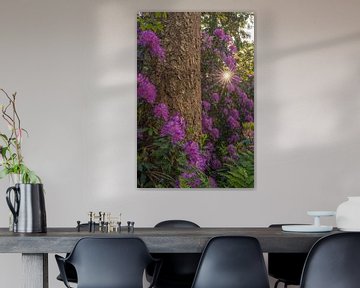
(35, 247)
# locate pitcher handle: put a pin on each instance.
(13, 208)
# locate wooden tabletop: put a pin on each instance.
(158, 240)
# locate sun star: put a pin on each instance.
(225, 76)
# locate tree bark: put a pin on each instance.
(180, 84)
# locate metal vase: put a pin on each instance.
(27, 204)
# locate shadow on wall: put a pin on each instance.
(346, 39)
(307, 115)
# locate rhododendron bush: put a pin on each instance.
(170, 154)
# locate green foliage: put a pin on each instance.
(248, 125)
(240, 174)
(158, 161)
(233, 23)
(26, 175)
(236, 25)
(247, 142)
(153, 21)
(245, 57)
(203, 139)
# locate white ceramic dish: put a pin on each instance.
(321, 213)
(348, 214)
(306, 228)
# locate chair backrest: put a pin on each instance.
(333, 262)
(110, 262)
(176, 224)
(178, 269)
(232, 262)
(286, 267)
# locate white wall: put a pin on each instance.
(73, 64)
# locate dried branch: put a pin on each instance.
(12, 159)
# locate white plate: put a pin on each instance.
(306, 228)
(321, 213)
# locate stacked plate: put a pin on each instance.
(316, 227)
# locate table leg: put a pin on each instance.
(35, 270)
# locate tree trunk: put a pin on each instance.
(180, 84)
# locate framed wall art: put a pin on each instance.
(195, 100)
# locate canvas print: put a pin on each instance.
(195, 100)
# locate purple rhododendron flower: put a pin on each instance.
(232, 48)
(187, 175)
(212, 182)
(150, 40)
(206, 105)
(145, 89)
(233, 123)
(232, 150)
(175, 128)
(235, 114)
(215, 164)
(207, 123)
(210, 147)
(227, 38)
(161, 111)
(219, 32)
(191, 179)
(234, 138)
(249, 118)
(238, 91)
(215, 133)
(230, 62)
(215, 97)
(242, 97)
(236, 79)
(231, 87)
(194, 155)
(207, 41)
(249, 104)
(228, 100)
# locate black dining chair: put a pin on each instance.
(178, 269)
(285, 267)
(232, 262)
(70, 271)
(333, 262)
(108, 263)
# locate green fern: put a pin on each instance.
(240, 174)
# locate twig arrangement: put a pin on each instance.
(12, 159)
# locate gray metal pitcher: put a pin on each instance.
(28, 207)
